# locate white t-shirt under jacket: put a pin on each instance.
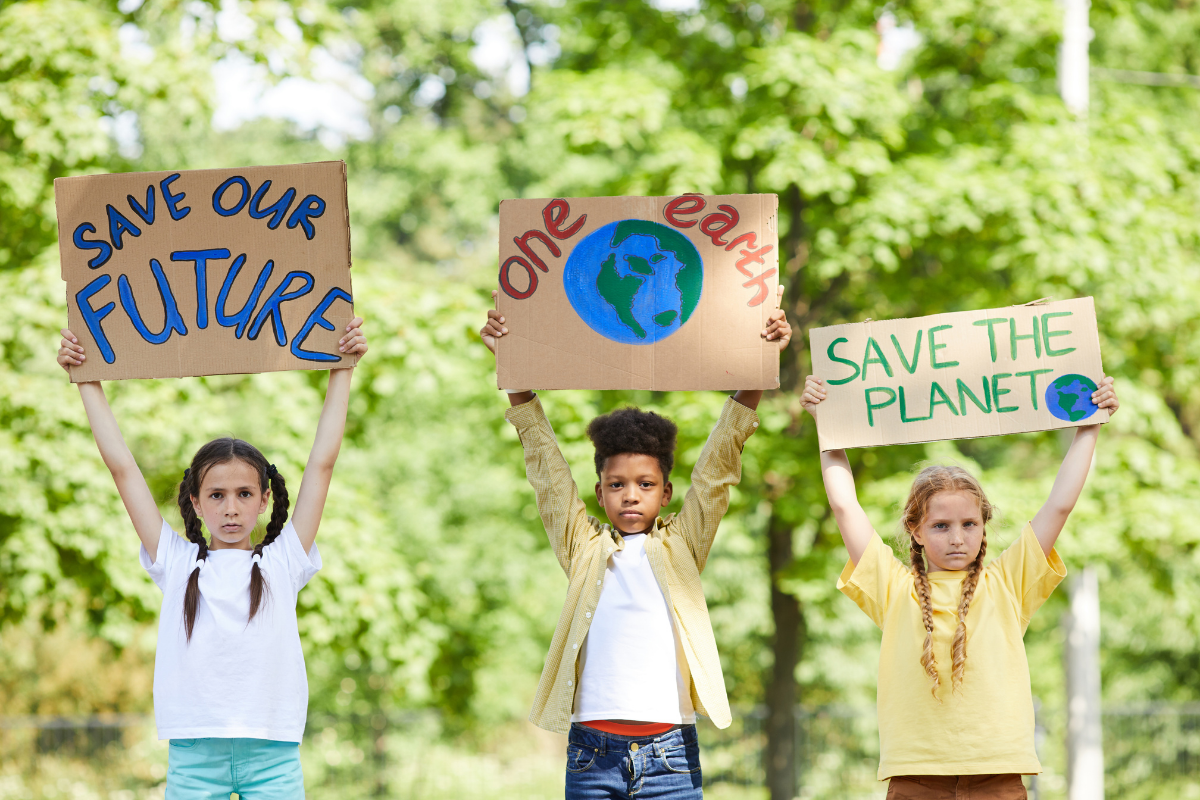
(633, 665)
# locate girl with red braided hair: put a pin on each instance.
(230, 690)
(951, 726)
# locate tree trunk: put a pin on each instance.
(782, 692)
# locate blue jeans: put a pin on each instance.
(605, 766)
(257, 769)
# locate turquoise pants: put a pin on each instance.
(257, 769)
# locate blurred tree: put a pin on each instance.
(954, 181)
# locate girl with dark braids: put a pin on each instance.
(955, 705)
(230, 690)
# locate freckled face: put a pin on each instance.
(632, 490)
(230, 503)
(952, 531)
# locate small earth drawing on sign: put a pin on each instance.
(1069, 397)
(634, 281)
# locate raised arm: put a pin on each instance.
(318, 472)
(778, 330)
(851, 520)
(1072, 475)
(135, 494)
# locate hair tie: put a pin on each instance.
(187, 472)
(200, 563)
(271, 471)
(257, 557)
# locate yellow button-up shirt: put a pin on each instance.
(677, 548)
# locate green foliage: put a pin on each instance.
(958, 181)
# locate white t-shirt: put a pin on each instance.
(236, 679)
(633, 664)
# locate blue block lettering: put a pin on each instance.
(317, 317)
(81, 243)
(276, 211)
(200, 259)
(270, 309)
(242, 318)
(172, 200)
(146, 212)
(309, 209)
(172, 321)
(119, 225)
(92, 317)
(241, 203)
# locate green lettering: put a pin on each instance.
(997, 391)
(991, 326)
(935, 389)
(910, 369)
(1032, 375)
(867, 359)
(873, 407)
(964, 392)
(1013, 337)
(904, 411)
(835, 357)
(1047, 334)
(933, 348)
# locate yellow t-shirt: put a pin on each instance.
(987, 728)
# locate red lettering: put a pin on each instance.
(752, 257)
(507, 286)
(523, 243)
(761, 282)
(714, 226)
(749, 239)
(684, 204)
(555, 213)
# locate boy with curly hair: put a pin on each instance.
(633, 658)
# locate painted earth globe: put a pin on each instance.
(634, 281)
(1069, 397)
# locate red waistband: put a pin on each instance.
(621, 729)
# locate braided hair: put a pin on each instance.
(222, 451)
(932, 481)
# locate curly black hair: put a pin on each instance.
(631, 430)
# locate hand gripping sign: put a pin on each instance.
(661, 293)
(958, 376)
(206, 272)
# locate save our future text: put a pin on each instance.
(230, 199)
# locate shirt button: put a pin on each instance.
(588, 615)
(600, 582)
(574, 647)
(568, 683)
(753, 424)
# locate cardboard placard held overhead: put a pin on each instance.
(206, 272)
(958, 376)
(662, 293)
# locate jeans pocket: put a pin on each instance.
(682, 758)
(185, 743)
(579, 759)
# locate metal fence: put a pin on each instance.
(1151, 751)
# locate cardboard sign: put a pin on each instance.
(206, 272)
(659, 293)
(958, 376)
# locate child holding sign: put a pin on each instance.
(230, 689)
(972, 731)
(633, 658)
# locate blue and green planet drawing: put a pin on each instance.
(1069, 397)
(634, 281)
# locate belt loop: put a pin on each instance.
(603, 743)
